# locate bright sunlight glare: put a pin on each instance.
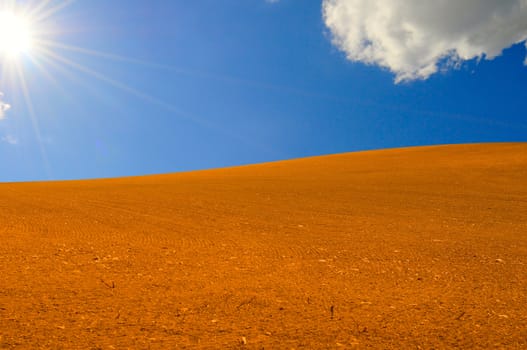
(15, 34)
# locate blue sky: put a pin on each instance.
(133, 87)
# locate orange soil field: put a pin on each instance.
(414, 248)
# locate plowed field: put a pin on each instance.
(396, 249)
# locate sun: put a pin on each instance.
(15, 34)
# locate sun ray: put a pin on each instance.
(43, 70)
(148, 98)
(99, 54)
(49, 53)
(40, 7)
(72, 75)
(40, 16)
(182, 71)
(33, 117)
(124, 87)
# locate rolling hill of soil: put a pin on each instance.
(406, 248)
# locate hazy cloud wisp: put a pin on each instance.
(4, 107)
(10, 139)
(415, 38)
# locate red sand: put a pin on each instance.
(407, 248)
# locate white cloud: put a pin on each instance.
(10, 139)
(4, 107)
(416, 38)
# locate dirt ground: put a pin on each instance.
(416, 248)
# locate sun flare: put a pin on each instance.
(15, 34)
